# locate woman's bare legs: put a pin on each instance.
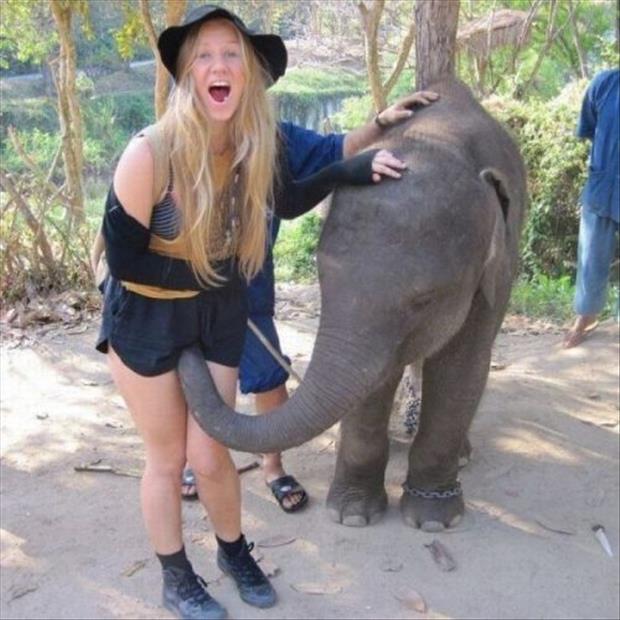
(216, 475)
(159, 411)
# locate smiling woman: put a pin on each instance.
(219, 69)
(179, 260)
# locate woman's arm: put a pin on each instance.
(126, 227)
(294, 198)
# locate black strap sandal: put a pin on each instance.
(189, 480)
(286, 487)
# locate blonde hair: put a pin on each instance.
(253, 138)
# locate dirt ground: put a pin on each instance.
(544, 471)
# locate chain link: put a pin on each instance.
(455, 491)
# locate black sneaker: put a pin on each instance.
(254, 588)
(185, 595)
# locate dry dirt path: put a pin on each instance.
(545, 470)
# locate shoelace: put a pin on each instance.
(194, 589)
(247, 568)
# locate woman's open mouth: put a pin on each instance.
(219, 92)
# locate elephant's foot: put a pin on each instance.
(432, 514)
(355, 506)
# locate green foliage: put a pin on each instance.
(552, 298)
(543, 296)
(294, 252)
(308, 84)
(26, 33)
(27, 114)
(354, 112)
(109, 123)
(357, 110)
(131, 32)
(40, 145)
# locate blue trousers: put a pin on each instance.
(597, 247)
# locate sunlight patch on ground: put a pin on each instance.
(537, 447)
(13, 555)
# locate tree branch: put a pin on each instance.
(370, 26)
(35, 226)
(403, 56)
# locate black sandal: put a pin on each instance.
(189, 480)
(286, 487)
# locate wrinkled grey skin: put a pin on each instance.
(415, 269)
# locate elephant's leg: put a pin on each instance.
(357, 494)
(453, 383)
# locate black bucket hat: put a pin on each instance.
(269, 47)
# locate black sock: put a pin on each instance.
(231, 549)
(177, 560)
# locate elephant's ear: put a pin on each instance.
(492, 264)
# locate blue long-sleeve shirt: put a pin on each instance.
(307, 153)
(599, 122)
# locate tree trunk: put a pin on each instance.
(435, 41)
(175, 9)
(370, 23)
(69, 113)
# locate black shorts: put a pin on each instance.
(149, 334)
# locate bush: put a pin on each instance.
(552, 298)
(295, 250)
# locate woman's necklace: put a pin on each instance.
(233, 223)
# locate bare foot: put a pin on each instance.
(584, 325)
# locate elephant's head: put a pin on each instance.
(399, 264)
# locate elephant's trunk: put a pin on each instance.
(340, 376)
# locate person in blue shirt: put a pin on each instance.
(600, 203)
(259, 372)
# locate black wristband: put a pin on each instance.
(379, 123)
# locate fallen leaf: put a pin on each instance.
(412, 599)
(391, 566)
(198, 539)
(21, 591)
(88, 382)
(10, 316)
(106, 469)
(77, 330)
(249, 467)
(316, 588)
(276, 541)
(442, 557)
(556, 530)
(269, 568)
(134, 568)
(326, 447)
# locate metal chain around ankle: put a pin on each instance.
(455, 491)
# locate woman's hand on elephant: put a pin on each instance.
(386, 164)
(401, 109)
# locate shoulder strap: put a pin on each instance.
(161, 159)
